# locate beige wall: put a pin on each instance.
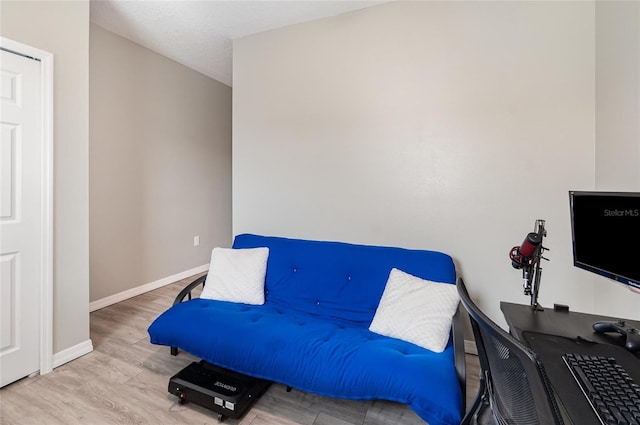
(617, 121)
(618, 95)
(160, 165)
(62, 28)
(440, 125)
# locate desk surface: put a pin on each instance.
(551, 333)
(572, 324)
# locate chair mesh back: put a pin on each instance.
(518, 389)
(511, 396)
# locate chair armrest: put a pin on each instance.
(186, 292)
(459, 353)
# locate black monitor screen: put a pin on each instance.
(606, 234)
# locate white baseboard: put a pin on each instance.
(72, 353)
(139, 290)
(470, 347)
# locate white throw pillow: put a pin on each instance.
(237, 275)
(416, 310)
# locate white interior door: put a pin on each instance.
(21, 216)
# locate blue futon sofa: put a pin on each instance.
(312, 332)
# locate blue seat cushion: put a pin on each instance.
(327, 356)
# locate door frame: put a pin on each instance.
(46, 242)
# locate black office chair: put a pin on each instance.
(514, 388)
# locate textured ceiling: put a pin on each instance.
(199, 34)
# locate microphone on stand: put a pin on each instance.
(524, 255)
(527, 257)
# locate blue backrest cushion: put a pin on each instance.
(338, 280)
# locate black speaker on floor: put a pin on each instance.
(228, 393)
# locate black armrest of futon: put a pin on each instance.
(186, 292)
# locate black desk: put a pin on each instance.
(550, 334)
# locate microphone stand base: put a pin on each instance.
(534, 303)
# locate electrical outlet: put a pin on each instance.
(196, 240)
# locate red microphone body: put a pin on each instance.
(524, 254)
(530, 244)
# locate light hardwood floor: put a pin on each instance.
(125, 380)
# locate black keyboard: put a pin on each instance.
(612, 393)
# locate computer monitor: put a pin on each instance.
(605, 227)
